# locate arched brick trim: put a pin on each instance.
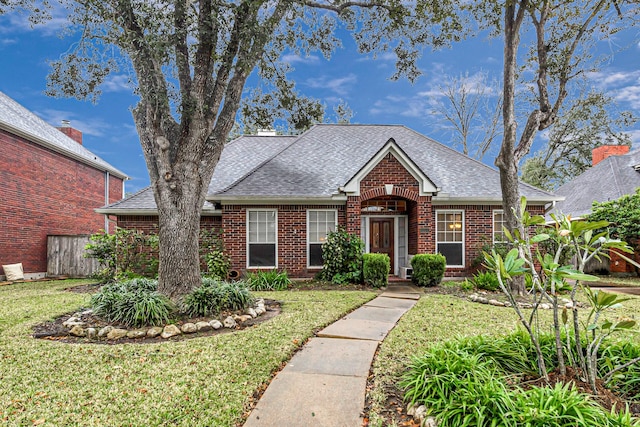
(397, 191)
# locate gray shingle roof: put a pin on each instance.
(16, 119)
(317, 163)
(610, 179)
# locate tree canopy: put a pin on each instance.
(623, 215)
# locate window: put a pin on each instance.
(498, 223)
(319, 224)
(450, 236)
(262, 227)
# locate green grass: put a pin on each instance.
(437, 318)
(622, 281)
(204, 381)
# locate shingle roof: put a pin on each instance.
(610, 179)
(16, 119)
(323, 159)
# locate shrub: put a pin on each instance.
(218, 264)
(124, 254)
(428, 269)
(271, 280)
(467, 285)
(486, 280)
(133, 303)
(213, 297)
(375, 269)
(342, 257)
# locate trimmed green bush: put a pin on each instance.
(218, 264)
(272, 280)
(215, 296)
(134, 303)
(428, 269)
(375, 269)
(486, 280)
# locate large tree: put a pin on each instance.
(560, 36)
(190, 61)
(590, 122)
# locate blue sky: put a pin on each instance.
(361, 81)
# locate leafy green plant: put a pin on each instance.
(272, 280)
(486, 280)
(376, 269)
(133, 303)
(467, 285)
(618, 366)
(213, 297)
(218, 264)
(428, 269)
(342, 257)
(124, 254)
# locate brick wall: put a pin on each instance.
(44, 193)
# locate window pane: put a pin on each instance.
(452, 252)
(262, 255)
(315, 255)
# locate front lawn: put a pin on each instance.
(437, 318)
(207, 381)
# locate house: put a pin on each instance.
(276, 197)
(51, 185)
(615, 171)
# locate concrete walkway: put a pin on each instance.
(324, 383)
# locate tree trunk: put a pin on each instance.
(506, 161)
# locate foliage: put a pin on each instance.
(467, 285)
(618, 366)
(214, 296)
(588, 123)
(342, 257)
(487, 245)
(124, 254)
(375, 269)
(428, 269)
(133, 302)
(623, 215)
(587, 242)
(486, 280)
(272, 280)
(218, 264)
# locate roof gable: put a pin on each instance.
(427, 187)
(17, 120)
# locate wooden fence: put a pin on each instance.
(65, 257)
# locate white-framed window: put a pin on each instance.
(498, 224)
(450, 236)
(262, 238)
(319, 223)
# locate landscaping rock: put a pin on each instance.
(252, 312)
(420, 413)
(73, 321)
(92, 333)
(260, 311)
(138, 333)
(203, 326)
(170, 331)
(229, 322)
(496, 303)
(104, 331)
(544, 306)
(482, 300)
(87, 312)
(78, 331)
(243, 318)
(116, 334)
(154, 331)
(215, 324)
(429, 422)
(189, 328)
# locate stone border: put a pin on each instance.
(543, 306)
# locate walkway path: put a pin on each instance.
(324, 383)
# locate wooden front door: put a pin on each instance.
(381, 237)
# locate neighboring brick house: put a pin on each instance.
(614, 172)
(276, 197)
(51, 185)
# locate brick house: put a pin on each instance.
(276, 197)
(614, 172)
(51, 185)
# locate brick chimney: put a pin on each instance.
(72, 133)
(600, 153)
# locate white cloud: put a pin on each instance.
(88, 126)
(338, 85)
(629, 94)
(385, 56)
(7, 42)
(18, 21)
(607, 78)
(292, 58)
(117, 83)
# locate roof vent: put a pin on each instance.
(267, 132)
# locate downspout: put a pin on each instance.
(106, 200)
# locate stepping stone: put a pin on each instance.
(400, 295)
(319, 356)
(357, 329)
(386, 302)
(377, 314)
